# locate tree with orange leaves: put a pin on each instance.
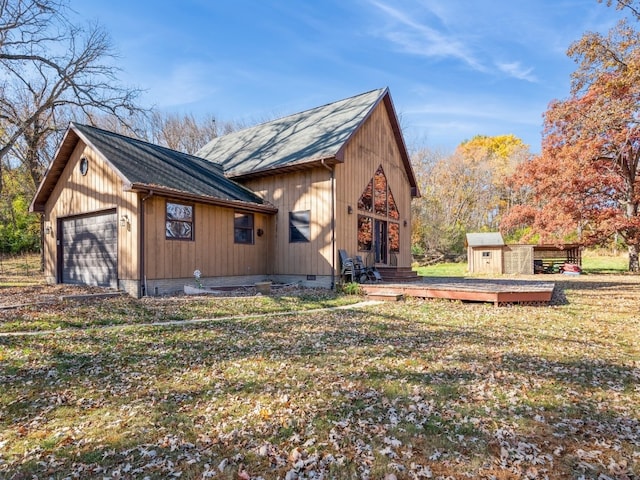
(585, 183)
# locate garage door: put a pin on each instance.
(90, 250)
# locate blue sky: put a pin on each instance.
(455, 68)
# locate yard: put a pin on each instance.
(415, 389)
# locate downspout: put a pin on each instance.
(143, 276)
(333, 224)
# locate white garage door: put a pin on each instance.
(90, 250)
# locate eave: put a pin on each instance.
(290, 167)
(150, 189)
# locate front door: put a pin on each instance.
(380, 241)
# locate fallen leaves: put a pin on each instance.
(405, 390)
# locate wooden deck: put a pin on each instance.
(496, 291)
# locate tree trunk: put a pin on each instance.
(634, 265)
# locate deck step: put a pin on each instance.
(398, 274)
(385, 296)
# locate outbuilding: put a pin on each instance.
(488, 253)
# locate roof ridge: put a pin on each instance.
(302, 112)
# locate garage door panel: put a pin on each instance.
(90, 249)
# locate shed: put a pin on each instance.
(485, 252)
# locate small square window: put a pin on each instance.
(179, 221)
(299, 226)
(486, 254)
(243, 228)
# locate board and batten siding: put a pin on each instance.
(485, 259)
(213, 250)
(99, 190)
(302, 190)
(373, 145)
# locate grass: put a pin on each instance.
(445, 269)
(124, 310)
(417, 389)
(19, 270)
(592, 263)
(599, 263)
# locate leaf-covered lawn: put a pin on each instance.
(34, 315)
(415, 389)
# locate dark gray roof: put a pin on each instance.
(489, 239)
(148, 164)
(304, 137)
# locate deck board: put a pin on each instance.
(496, 291)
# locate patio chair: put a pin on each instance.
(352, 268)
(367, 274)
(347, 268)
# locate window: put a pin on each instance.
(365, 233)
(365, 202)
(393, 208)
(299, 226)
(394, 237)
(179, 221)
(243, 228)
(377, 197)
(486, 254)
(380, 192)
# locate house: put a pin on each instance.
(275, 201)
(488, 253)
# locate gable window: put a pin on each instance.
(378, 227)
(179, 221)
(299, 226)
(365, 202)
(380, 192)
(243, 228)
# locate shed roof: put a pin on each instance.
(145, 166)
(302, 139)
(489, 239)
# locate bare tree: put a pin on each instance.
(48, 68)
(183, 133)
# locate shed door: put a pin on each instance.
(90, 250)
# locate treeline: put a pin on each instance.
(466, 191)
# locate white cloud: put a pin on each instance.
(420, 39)
(182, 84)
(516, 70)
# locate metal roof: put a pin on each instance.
(490, 239)
(311, 136)
(145, 165)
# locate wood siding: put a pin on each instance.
(485, 259)
(373, 145)
(298, 191)
(99, 190)
(212, 251)
(518, 259)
